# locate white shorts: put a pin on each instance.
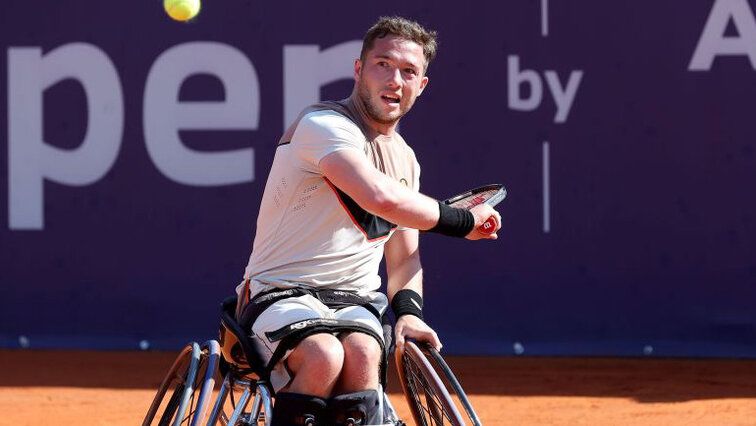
(285, 313)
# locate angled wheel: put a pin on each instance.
(453, 385)
(183, 397)
(427, 394)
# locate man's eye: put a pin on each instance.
(410, 71)
(382, 64)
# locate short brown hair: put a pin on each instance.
(404, 28)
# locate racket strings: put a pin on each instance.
(473, 200)
(432, 409)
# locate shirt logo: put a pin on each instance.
(404, 181)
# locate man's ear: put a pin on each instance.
(423, 83)
(357, 69)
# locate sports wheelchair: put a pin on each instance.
(188, 394)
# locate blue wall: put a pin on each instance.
(624, 133)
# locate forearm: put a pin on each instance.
(400, 205)
(405, 273)
(403, 266)
(383, 196)
(405, 290)
(409, 275)
(377, 193)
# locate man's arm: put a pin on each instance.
(405, 272)
(382, 196)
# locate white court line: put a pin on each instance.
(545, 18)
(546, 189)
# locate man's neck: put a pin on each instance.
(378, 128)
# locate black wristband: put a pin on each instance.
(407, 302)
(453, 222)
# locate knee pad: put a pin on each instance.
(356, 409)
(299, 409)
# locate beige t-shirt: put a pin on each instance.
(309, 233)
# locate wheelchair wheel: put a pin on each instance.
(183, 397)
(446, 374)
(427, 395)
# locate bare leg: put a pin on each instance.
(362, 357)
(316, 363)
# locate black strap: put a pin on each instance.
(334, 299)
(263, 300)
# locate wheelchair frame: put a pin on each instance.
(192, 377)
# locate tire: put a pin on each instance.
(426, 394)
(446, 374)
(184, 396)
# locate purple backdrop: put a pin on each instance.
(623, 131)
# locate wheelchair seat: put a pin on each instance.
(236, 347)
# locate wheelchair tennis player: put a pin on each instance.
(342, 191)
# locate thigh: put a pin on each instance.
(276, 317)
(322, 351)
(363, 317)
(357, 339)
(362, 356)
(360, 348)
(283, 313)
(364, 350)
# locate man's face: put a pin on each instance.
(390, 78)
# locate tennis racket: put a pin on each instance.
(487, 194)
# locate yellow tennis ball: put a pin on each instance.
(182, 10)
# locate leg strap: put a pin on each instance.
(356, 409)
(299, 410)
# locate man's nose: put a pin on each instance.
(395, 77)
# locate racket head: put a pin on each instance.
(491, 194)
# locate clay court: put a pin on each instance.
(151, 160)
(115, 389)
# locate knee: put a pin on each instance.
(362, 358)
(320, 352)
(361, 350)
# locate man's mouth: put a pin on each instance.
(390, 99)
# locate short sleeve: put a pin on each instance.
(321, 133)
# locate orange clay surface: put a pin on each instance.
(116, 388)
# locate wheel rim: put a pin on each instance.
(426, 394)
(182, 375)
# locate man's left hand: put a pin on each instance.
(410, 326)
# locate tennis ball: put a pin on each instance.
(182, 10)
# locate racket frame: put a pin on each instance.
(498, 197)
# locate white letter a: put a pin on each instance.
(713, 41)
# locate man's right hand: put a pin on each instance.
(482, 213)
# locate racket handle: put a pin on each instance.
(488, 226)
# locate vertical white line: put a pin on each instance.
(544, 18)
(546, 189)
